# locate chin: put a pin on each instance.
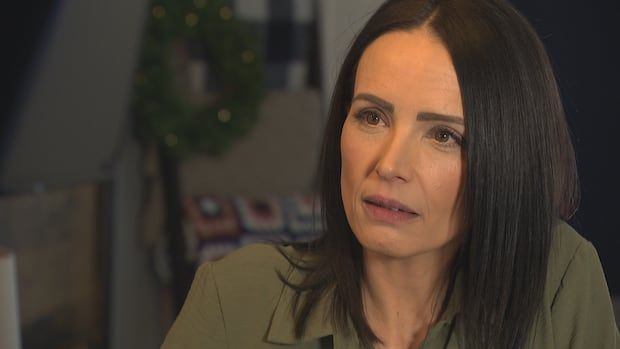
(389, 246)
(392, 244)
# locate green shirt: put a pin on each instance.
(239, 303)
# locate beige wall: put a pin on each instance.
(72, 117)
(339, 21)
(278, 156)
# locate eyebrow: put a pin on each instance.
(422, 116)
(389, 107)
(428, 116)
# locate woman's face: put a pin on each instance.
(401, 147)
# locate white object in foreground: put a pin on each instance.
(9, 318)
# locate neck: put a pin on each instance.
(402, 297)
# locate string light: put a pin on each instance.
(171, 139)
(224, 115)
(191, 19)
(248, 56)
(200, 3)
(225, 13)
(159, 12)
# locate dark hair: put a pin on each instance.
(520, 176)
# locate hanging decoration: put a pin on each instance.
(193, 39)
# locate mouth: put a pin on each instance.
(388, 204)
(388, 210)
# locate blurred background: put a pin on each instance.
(140, 138)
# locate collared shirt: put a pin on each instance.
(239, 302)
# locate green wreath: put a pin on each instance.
(164, 114)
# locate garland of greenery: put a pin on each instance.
(166, 117)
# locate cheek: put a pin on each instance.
(445, 180)
(352, 167)
(347, 155)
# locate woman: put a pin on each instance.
(447, 169)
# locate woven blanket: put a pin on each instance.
(284, 30)
(215, 226)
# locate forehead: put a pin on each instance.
(410, 68)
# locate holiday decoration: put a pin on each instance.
(217, 101)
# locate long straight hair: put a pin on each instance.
(520, 174)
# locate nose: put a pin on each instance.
(396, 158)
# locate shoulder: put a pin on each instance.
(251, 267)
(567, 244)
(254, 256)
(248, 283)
(574, 270)
(232, 301)
(568, 248)
(578, 304)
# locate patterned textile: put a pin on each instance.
(216, 226)
(284, 29)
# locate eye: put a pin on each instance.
(446, 136)
(372, 118)
(443, 136)
(369, 117)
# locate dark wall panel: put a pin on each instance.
(582, 39)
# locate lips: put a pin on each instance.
(388, 211)
(388, 204)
